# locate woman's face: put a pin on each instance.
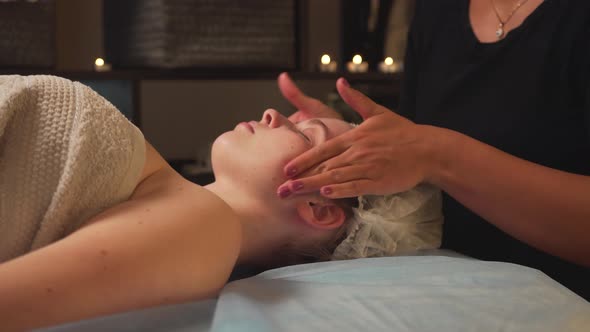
(253, 155)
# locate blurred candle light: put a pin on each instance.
(357, 65)
(389, 66)
(327, 65)
(100, 65)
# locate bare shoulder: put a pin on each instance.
(154, 162)
(164, 192)
(157, 174)
(160, 181)
(168, 188)
(175, 243)
(166, 195)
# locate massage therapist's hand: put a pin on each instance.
(307, 107)
(386, 154)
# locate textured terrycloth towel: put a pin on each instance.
(66, 154)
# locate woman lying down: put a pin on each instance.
(94, 221)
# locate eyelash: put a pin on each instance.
(305, 136)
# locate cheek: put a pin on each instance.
(259, 159)
(272, 158)
(279, 151)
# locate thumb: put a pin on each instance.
(362, 104)
(287, 87)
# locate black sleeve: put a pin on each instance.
(587, 105)
(583, 79)
(407, 105)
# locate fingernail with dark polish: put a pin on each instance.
(284, 192)
(291, 171)
(345, 82)
(297, 185)
(327, 191)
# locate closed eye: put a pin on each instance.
(304, 136)
(314, 123)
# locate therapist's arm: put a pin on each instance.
(159, 249)
(544, 207)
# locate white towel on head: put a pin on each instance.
(66, 154)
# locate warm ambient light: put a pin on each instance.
(100, 65)
(357, 65)
(327, 65)
(357, 59)
(389, 66)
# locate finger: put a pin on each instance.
(348, 189)
(334, 176)
(358, 101)
(317, 154)
(311, 106)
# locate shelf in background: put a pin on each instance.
(206, 74)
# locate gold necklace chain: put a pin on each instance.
(500, 32)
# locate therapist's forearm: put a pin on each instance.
(544, 207)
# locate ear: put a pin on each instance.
(321, 215)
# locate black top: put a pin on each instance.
(527, 95)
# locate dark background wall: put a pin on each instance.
(182, 117)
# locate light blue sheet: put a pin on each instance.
(435, 291)
(416, 293)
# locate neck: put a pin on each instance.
(506, 3)
(510, 5)
(257, 238)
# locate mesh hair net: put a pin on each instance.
(393, 224)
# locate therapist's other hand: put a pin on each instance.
(307, 107)
(386, 154)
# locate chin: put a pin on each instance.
(232, 156)
(244, 161)
(220, 151)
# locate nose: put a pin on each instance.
(272, 118)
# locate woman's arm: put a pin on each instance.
(175, 244)
(544, 207)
